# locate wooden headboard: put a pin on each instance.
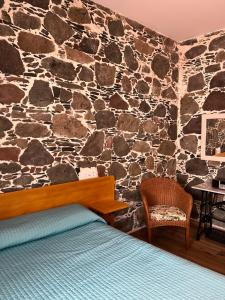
(84, 192)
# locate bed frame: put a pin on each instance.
(96, 193)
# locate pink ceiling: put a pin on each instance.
(178, 19)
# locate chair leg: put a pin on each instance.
(187, 236)
(149, 235)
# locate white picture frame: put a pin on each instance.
(206, 117)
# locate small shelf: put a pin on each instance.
(219, 215)
(108, 207)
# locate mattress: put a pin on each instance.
(95, 261)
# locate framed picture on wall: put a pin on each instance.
(213, 137)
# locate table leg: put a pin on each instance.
(202, 205)
(211, 202)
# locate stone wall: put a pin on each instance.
(81, 86)
(202, 90)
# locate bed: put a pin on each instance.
(69, 252)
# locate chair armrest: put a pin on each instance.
(185, 202)
(146, 207)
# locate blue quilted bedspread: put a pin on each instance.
(95, 261)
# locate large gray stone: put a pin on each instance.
(86, 74)
(220, 56)
(6, 30)
(218, 80)
(212, 68)
(197, 166)
(89, 45)
(127, 122)
(160, 111)
(9, 153)
(173, 112)
(62, 173)
(59, 29)
(105, 119)
(130, 59)
(78, 56)
(5, 124)
(32, 130)
(9, 168)
(79, 15)
(217, 43)
(141, 146)
(112, 52)
(188, 105)
(175, 57)
(142, 87)
(172, 131)
(116, 27)
(193, 126)
(175, 75)
(150, 163)
(169, 93)
(41, 94)
(23, 180)
(150, 126)
(120, 146)
(68, 126)
(26, 21)
(65, 95)
(117, 170)
(195, 51)
(126, 84)
(80, 102)
(160, 65)
(99, 104)
(116, 101)
(94, 144)
(215, 101)
(6, 17)
(105, 74)
(59, 68)
(10, 93)
(39, 3)
(143, 47)
(34, 43)
(134, 169)
(36, 155)
(189, 143)
(10, 60)
(156, 87)
(171, 167)
(196, 82)
(144, 107)
(167, 148)
(106, 155)
(39, 116)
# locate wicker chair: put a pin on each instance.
(161, 196)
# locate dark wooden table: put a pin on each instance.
(209, 201)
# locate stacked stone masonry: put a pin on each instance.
(202, 90)
(81, 86)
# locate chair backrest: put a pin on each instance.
(160, 190)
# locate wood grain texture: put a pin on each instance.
(206, 252)
(99, 191)
(108, 207)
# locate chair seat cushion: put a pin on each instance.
(166, 213)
